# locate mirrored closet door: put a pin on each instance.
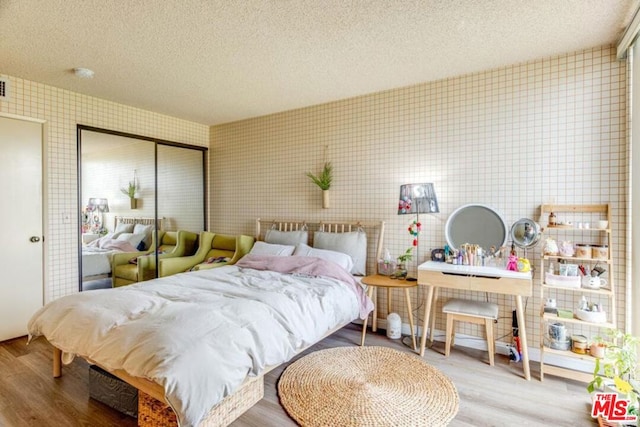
(134, 194)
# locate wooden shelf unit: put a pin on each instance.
(603, 236)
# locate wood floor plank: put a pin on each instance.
(489, 396)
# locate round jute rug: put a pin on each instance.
(366, 386)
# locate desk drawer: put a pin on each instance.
(502, 285)
(444, 280)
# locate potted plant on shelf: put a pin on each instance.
(324, 182)
(618, 371)
(131, 192)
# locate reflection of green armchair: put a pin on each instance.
(172, 244)
(212, 249)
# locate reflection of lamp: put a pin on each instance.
(102, 205)
(97, 206)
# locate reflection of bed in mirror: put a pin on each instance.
(129, 235)
(169, 178)
(476, 224)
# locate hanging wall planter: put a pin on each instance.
(130, 191)
(326, 202)
(324, 182)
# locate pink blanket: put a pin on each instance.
(308, 266)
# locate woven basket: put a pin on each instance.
(153, 413)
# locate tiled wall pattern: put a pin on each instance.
(181, 188)
(63, 110)
(547, 131)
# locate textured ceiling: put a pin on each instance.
(216, 61)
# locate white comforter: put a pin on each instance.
(96, 261)
(198, 334)
(96, 256)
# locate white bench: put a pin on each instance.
(478, 312)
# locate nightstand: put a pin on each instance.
(379, 281)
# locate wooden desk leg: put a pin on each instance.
(366, 319)
(433, 315)
(413, 335)
(522, 333)
(388, 301)
(57, 362)
(425, 319)
(374, 321)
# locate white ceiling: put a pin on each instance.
(216, 61)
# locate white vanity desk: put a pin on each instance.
(436, 275)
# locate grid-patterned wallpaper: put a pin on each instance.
(547, 131)
(63, 110)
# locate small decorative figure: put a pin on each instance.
(414, 229)
(512, 265)
(524, 265)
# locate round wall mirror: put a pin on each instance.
(476, 224)
(525, 233)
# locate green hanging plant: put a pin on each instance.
(324, 179)
(130, 190)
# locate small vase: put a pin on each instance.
(401, 271)
(325, 199)
(134, 203)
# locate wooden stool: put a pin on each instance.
(478, 312)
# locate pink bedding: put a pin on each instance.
(308, 266)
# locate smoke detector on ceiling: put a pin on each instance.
(4, 90)
(83, 73)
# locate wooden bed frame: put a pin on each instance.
(153, 410)
(138, 220)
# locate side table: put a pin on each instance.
(379, 281)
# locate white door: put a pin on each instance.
(21, 254)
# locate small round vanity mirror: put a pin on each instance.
(525, 233)
(476, 224)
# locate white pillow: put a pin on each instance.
(147, 230)
(263, 248)
(124, 228)
(286, 237)
(353, 243)
(134, 239)
(343, 260)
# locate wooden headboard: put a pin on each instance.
(138, 220)
(373, 229)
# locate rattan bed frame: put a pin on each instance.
(152, 407)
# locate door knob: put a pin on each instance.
(34, 239)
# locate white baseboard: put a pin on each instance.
(502, 347)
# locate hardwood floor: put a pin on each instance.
(489, 396)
